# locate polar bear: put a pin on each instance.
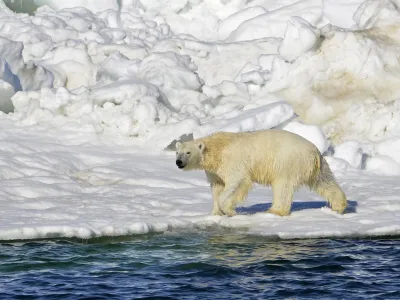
(234, 161)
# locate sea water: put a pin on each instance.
(200, 266)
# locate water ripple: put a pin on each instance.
(201, 266)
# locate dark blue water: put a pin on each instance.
(201, 266)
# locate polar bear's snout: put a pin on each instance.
(181, 160)
(180, 164)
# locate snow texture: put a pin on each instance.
(92, 93)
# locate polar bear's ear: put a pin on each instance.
(178, 145)
(201, 147)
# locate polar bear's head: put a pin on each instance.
(188, 154)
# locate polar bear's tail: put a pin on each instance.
(325, 185)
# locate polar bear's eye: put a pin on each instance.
(188, 153)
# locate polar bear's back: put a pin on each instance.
(267, 154)
(271, 139)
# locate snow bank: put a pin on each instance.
(61, 182)
(273, 23)
(103, 86)
(136, 68)
(351, 152)
(259, 118)
(87, 52)
(226, 26)
(4, 10)
(386, 156)
(301, 33)
(93, 5)
(310, 132)
(383, 165)
(16, 75)
(340, 12)
(341, 93)
(9, 83)
(122, 73)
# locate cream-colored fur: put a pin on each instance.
(234, 161)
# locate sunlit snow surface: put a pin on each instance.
(58, 183)
(98, 91)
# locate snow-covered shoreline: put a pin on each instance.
(96, 96)
(86, 186)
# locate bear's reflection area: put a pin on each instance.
(240, 250)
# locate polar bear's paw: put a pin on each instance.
(217, 212)
(278, 212)
(230, 212)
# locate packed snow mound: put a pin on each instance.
(9, 84)
(120, 71)
(326, 90)
(351, 152)
(377, 13)
(4, 10)
(226, 26)
(340, 12)
(301, 33)
(273, 23)
(310, 132)
(16, 75)
(218, 62)
(93, 5)
(78, 49)
(131, 108)
(159, 71)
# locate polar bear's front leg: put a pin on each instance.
(217, 186)
(233, 193)
(216, 191)
(226, 202)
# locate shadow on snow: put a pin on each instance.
(296, 206)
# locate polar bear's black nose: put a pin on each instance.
(179, 163)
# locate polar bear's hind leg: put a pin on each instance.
(326, 186)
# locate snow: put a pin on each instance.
(351, 152)
(70, 183)
(301, 33)
(94, 94)
(273, 23)
(226, 26)
(383, 165)
(340, 12)
(93, 5)
(311, 132)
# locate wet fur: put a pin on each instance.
(286, 161)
